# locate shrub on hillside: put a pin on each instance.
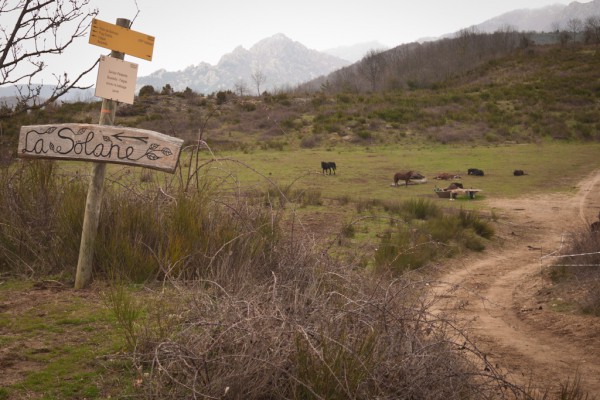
(426, 234)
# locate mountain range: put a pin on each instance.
(286, 63)
(545, 19)
(282, 63)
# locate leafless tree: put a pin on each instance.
(240, 87)
(575, 25)
(259, 78)
(372, 66)
(32, 30)
(592, 29)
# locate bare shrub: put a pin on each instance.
(312, 330)
(309, 142)
(578, 268)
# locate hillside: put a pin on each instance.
(534, 93)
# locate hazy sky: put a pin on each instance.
(188, 32)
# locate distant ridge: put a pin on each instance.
(282, 61)
(545, 19)
(355, 52)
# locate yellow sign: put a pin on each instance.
(115, 37)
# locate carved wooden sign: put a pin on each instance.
(100, 143)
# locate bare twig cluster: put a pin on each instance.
(311, 330)
(31, 31)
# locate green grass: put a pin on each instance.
(65, 345)
(366, 173)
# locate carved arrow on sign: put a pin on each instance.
(120, 135)
(101, 143)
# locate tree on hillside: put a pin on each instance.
(31, 31)
(147, 90)
(167, 90)
(240, 87)
(574, 25)
(372, 66)
(259, 78)
(592, 29)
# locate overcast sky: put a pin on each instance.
(188, 32)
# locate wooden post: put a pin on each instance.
(95, 190)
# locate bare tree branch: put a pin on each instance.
(31, 31)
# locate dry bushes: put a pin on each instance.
(309, 330)
(41, 214)
(577, 270)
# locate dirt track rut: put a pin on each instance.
(497, 294)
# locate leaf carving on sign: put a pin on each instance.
(100, 143)
(155, 147)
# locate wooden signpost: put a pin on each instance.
(122, 39)
(104, 143)
(99, 143)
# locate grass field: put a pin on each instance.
(367, 173)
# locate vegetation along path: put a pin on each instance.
(506, 301)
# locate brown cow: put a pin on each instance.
(402, 176)
(446, 176)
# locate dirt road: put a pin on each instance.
(501, 294)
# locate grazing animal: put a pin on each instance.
(475, 171)
(328, 167)
(455, 185)
(403, 176)
(446, 176)
(595, 226)
(519, 172)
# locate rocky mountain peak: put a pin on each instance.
(282, 61)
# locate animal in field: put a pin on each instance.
(403, 176)
(416, 175)
(455, 185)
(328, 167)
(475, 172)
(519, 172)
(595, 226)
(444, 176)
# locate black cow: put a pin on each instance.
(328, 167)
(475, 171)
(519, 172)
